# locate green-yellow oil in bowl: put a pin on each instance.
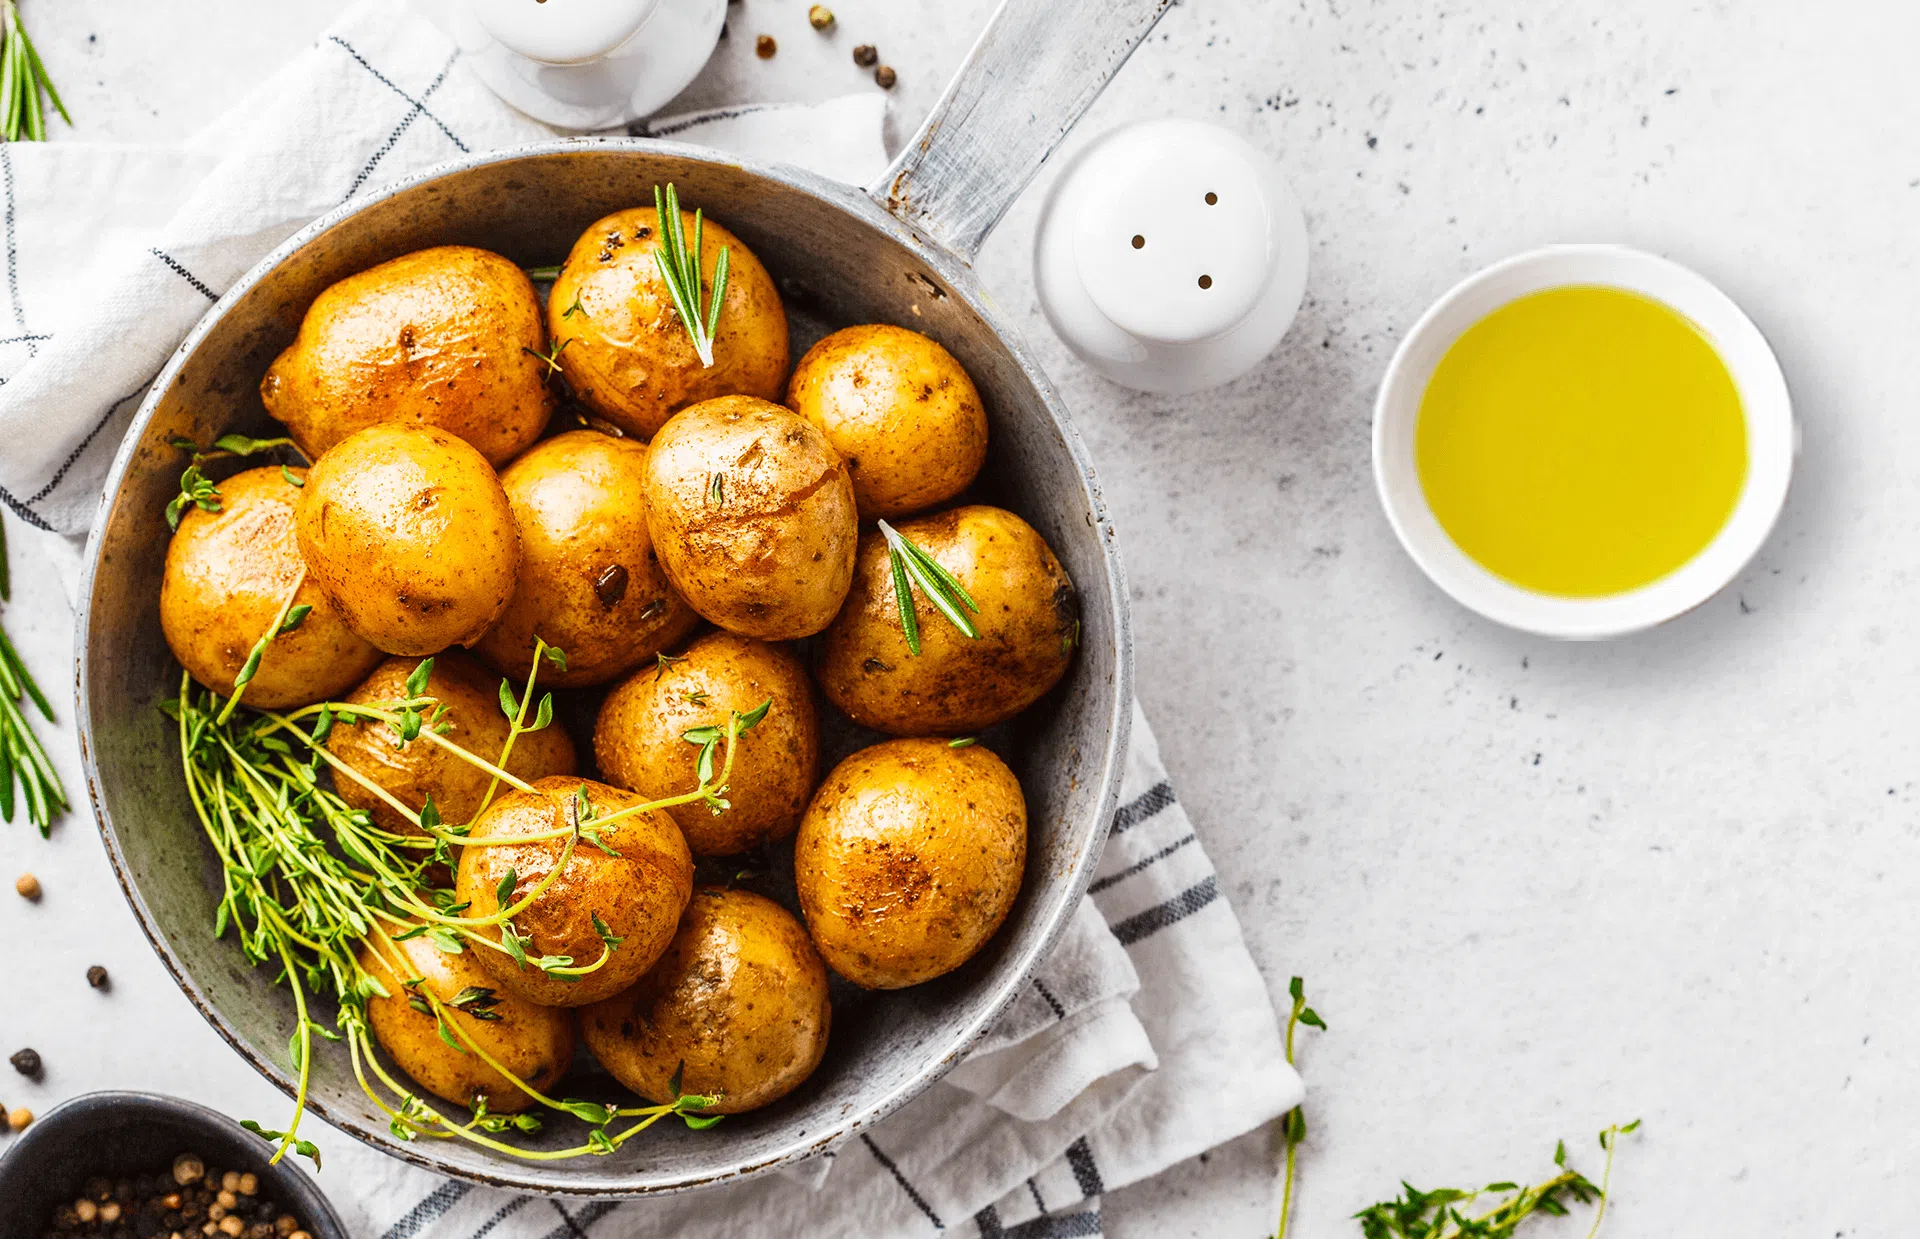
(1582, 441)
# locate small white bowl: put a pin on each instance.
(1772, 441)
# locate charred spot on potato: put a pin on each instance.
(1066, 606)
(611, 585)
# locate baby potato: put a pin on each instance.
(535, 1043)
(1028, 623)
(901, 411)
(909, 859)
(639, 740)
(445, 337)
(638, 894)
(589, 580)
(622, 346)
(412, 772)
(226, 575)
(407, 532)
(737, 1006)
(752, 515)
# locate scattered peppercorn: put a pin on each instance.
(27, 1063)
(187, 1201)
(188, 1169)
(18, 1118)
(27, 886)
(820, 17)
(866, 55)
(611, 585)
(885, 76)
(764, 47)
(97, 977)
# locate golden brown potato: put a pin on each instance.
(639, 740)
(407, 532)
(443, 337)
(901, 411)
(420, 768)
(227, 574)
(535, 1043)
(638, 895)
(752, 515)
(909, 859)
(737, 1006)
(1028, 623)
(589, 581)
(622, 346)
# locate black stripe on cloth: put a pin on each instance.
(427, 1211)
(988, 1220)
(1142, 807)
(1082, 1225)
(13, 253)
(419, 103)
(1179, 908)
(574, 1225)
(21, 510)
(73, 457)
(1138, 865)
(406, 122)
(1059, 1012)
(26, 339)
(919, 1201)
(1034, 1190)
(180, 270)
(644, 129)
(1085, 1173)
(502, 1214)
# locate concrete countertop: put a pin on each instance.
(1534, 888)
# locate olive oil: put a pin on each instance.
(1582, 441)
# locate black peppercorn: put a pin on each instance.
(611, 585)
(764, 47)
(97, 977)
(866, 55)
(27, 1063)
(885, 76)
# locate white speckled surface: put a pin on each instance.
(1534, 888)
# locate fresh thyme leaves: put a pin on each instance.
(965, 742)
(197, 490)
(542, 275)
(22, 81)
(717, 493)
(709, 738)
(1293, 1127)
(575, 308)
(288, 619)
(680, 270)
(913, 566)
(550, 358)
(22, 759)
(1446, 1213)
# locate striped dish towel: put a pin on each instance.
(1106, 1068)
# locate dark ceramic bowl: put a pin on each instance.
(121, 1135)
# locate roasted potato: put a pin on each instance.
(534, 1042)
(752, 515)
(412, 772)
(227, 573)
(736, 1007)
(407, 532)
(639, 740)
(589, 580)
(1028, 621)
(899, 409)
(638, 894)
(446, 337)
(909, 859)
(622, 346)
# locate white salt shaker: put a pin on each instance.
(1171, 256)
(584, 64)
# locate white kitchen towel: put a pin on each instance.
(1105, 1069)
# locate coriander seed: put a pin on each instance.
(188, 1169)
(27, 886)
(866, 55)
(820, 17)
(18, 1118)
(764, 47)
(885, 76)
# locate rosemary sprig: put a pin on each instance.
(913, 566)
(197, 490)
(1293, 1128)
(1444, 1212)
(22, 758)
(680, 268)
(23, 79)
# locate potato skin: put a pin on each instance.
(623, 349)
(752, 515)
(579, 504)
(900, 409)
(638, 894)
(472, 698)
(1028, 623)
(639, 741)
(437, 337)
(909, 859)
(533, 1042)
(227, 573)
(740, 998)
(407, 532)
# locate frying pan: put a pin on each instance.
(899, 253)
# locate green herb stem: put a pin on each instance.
(23, 759)
(912, 566)
(680, 270)
(23, 80)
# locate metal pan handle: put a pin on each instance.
(1033, 72)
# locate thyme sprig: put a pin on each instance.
(23, 79)
(913, 566)
(1293, 1127)
(680, 269)
(197, 490)
(22, 759)
(1446, 1213)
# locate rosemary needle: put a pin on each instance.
(22, 759)
(680, 269)
(23, 79)
(912, 566)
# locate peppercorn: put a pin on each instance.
(18, 1118)
(866, 55)
(27, 1063)
(27, 886)
(97, 977)
(611, 585)
(885, 76)
(820, 17)
(764, 47)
